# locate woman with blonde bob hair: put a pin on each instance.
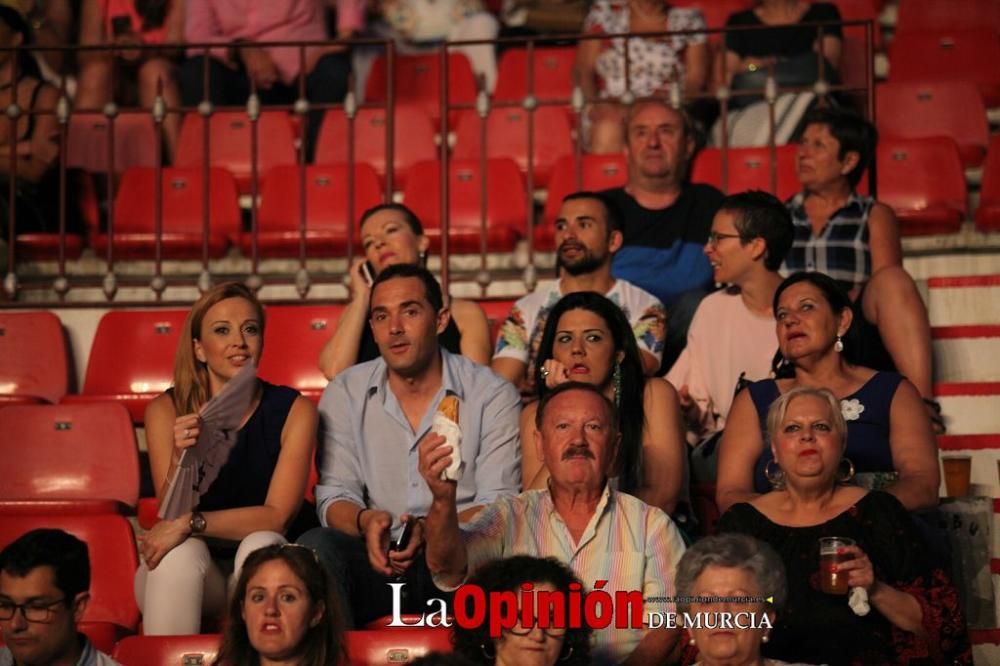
(902, 608)
(257, 495)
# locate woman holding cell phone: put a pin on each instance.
(392, 234)
(872, 596)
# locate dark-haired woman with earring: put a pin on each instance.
(890, 433)
(392, 234)
(527, 645)
(588, 339)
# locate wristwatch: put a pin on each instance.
(197, 524)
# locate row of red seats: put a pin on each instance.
(921, 178)
(132, 356)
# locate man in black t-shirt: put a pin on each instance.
(666, 220)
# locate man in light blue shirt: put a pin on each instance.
(374, 416)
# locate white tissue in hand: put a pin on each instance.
(452, 434)
(858, 601)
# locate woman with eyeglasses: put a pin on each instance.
(527, 645)
(391, 234)
(283, 611)
(732, 339)
(257, 497)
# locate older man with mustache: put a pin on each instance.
(580, 519)
(588, 233)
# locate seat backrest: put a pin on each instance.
(133, 352)
(395, 645)
(113, 560)
(413, 134)
(33, 356)
(914, 174)
(507, 136)
(989, 189)
(199, 650)
(293, 339)
(505, 192)
(943, 55)
(182, 192)
(943, 108)
(69, 452)
(597, 172)
(552, 72)
(417, 81)
(916, 15)
(749, 169)
(230, 142)
(326, 197)
(89, 134)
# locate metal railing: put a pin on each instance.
(62, 282)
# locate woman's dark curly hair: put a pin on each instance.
(508, 575)
(322, 645)
(630, 402)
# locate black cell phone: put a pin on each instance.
(404, 537)
(121, 25)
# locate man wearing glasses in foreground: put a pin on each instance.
(44, 583)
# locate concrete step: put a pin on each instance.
(969, 353)
(970, 408)
(964, 300)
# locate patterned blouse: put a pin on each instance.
(840, 249)
(654, 62)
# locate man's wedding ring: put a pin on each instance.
(545, 373)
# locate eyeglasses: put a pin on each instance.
(714, 237)
(32, 612)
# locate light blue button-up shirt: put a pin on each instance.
(370, 451)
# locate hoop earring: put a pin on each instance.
(616, 381)
(849, 473)
(567, 656)
(838, 346)
(774, 475)
(489, 657)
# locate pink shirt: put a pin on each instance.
(224, 21)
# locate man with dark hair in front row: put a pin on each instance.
(374, 416)
(580, 519)
(44, 590)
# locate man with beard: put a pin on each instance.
(666, 220)
(612, 541)
(374, 415)
(588, 234)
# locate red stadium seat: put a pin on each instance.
(749, 169)
(132, 358)
(954, 109)
(507, 136)
(112, 612)
(88, 137)
(943, 55)
(395, 645)
(552, 74)
(496, 314)
(916, 15)
(413, 139)
(167, 650)
(45, 246)
(923, 181)
(33, 358)
(418, 81)
(230, 143)
(183, 233)
(77, 454)
(988, 213)
(506, 203)
(293, 339)
(327, 217)
(597, 172)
